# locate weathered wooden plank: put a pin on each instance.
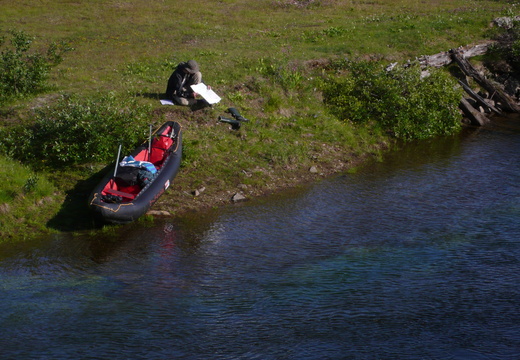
(475, 116)
(479, 99)
(444, 58)
(495, 92)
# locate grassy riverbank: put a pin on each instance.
(268, 58)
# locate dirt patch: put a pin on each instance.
(180, 199)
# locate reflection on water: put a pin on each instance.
(415, 257)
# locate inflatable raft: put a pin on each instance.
(134, 184)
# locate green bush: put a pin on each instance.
(23, 72)
(77, 131)
(400, 101)
(508, 46)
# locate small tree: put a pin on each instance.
(23, 72)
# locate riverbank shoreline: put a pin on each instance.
(181, 199)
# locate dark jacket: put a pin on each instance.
(179, 83)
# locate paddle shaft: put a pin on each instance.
(117, 161)
(150, 144)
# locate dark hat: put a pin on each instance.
(192, 67)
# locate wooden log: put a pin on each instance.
(476, 50)
(495, 92)
(445, 58)
(475, 116)
(436, 60)
(479, 99)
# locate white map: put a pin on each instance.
(209, 95)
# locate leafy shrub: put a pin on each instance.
(77, 131)
(508, 46)
(400, 101)
(23, 72)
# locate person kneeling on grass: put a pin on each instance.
(179, 84)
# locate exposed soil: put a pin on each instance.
(181, 198)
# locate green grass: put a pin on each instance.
(20, 182)
(26, 198)
(265, 57)
(110, 36)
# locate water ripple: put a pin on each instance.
(416, 257)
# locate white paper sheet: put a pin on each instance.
(209, 95)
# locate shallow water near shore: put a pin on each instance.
(414, 257)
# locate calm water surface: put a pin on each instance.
(415, 257)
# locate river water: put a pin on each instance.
(414, 257)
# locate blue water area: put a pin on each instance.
(413, 257)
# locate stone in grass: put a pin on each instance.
(238, 197)
(158, 213)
